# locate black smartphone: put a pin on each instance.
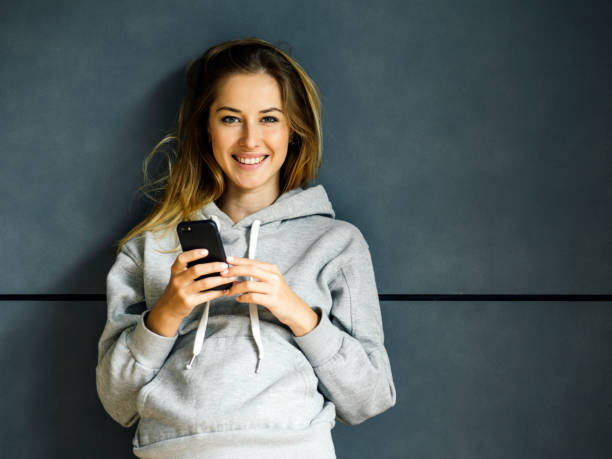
(203, 234)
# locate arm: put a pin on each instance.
(129, 354)
(347, 349)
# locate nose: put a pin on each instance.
(251, 135)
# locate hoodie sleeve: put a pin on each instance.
(129, 354)
(346, 348)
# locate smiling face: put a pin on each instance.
(249, 132)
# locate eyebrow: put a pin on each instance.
(271, 109)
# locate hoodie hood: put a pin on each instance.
(296, 203)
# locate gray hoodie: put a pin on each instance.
(235, 382)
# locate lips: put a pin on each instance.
(250, 159)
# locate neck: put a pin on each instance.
(240, 203)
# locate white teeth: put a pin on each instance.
(250, 160)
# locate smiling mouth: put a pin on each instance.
(243, 160)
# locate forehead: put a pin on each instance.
(246, 90)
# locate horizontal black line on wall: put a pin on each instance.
(382, 297)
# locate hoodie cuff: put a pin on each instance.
(322, 342)
(149, 349)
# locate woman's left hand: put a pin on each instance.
(271, 291)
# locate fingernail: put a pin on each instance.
(230, 259)
(204, 252)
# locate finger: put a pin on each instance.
(209, 295)
(249, 261)
(257, 298)
(248, 287)
(180, 264)
(209, 283)
(204, 268)
(187, 277)
(253, 271)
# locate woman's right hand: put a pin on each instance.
(183, 292)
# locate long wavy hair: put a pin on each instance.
(193, 178)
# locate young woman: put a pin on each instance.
(187, 362)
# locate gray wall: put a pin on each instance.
(469, 141)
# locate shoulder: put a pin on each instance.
(151, 241)
(349, 230)
(134, 248)
(343, 235)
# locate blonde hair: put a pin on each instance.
(194, 179)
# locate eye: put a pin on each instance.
(229, 119)
(269, 119)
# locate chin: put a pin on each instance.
(254, 184)
(247, 184)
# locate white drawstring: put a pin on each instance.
(252, 306)
(216, 220)
(253, 313)
(199, 339)
(201, 333)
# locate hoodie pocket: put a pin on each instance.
(222, 391)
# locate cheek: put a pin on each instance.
(218, 153)
(280, 140)
(220, 141)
